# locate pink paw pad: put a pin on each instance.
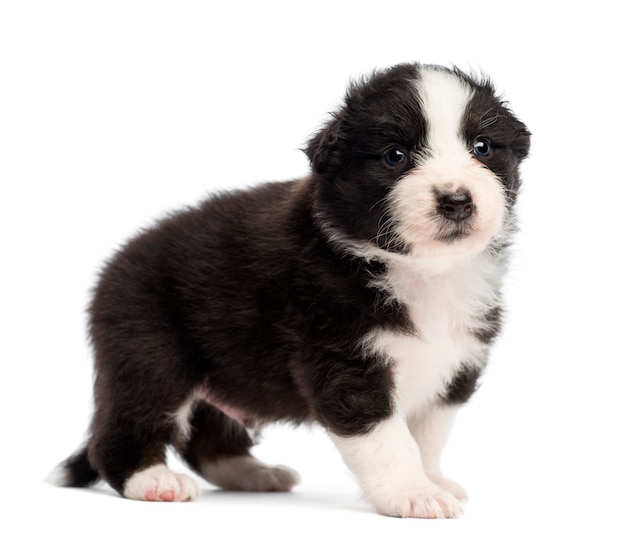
(165, 496)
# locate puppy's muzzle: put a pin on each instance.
(457, 206)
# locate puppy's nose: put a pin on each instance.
(456, 207)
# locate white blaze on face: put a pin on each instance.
(446, 166)
(444, 98)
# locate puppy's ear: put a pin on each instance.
(521, 141)
(323, 147)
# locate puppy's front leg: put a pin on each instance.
(387, 463)
(430, 431)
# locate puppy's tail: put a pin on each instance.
(75, 472)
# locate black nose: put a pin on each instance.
(456, 207)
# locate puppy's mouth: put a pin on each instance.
(454, 233)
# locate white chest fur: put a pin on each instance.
(445, 307)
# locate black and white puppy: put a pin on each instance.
(364, 296)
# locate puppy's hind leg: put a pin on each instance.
(133, 424)
(130, 456)
(219, 451)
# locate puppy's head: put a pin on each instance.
(419, 160)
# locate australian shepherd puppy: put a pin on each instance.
(364, 297)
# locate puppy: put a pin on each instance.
(364, 297)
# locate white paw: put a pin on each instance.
(158, 483)
(429, 503)
(451, 487)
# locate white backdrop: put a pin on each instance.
(113, 112)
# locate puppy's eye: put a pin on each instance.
(395, 156)
(482, 147)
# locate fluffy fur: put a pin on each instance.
(364, 296)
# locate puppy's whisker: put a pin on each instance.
(379, 202)
(486, 122)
